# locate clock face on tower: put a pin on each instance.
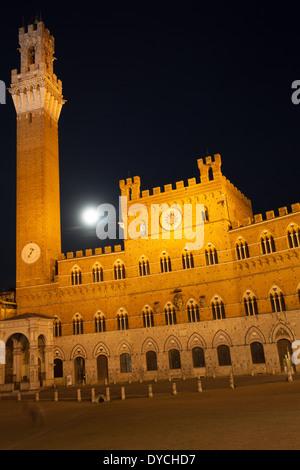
(31, 253)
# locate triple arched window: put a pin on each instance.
(293, 235)
(148, 317)
(267, 243)
(170, 314)
(211, 255)
(119, 270)
(122, 320)
(250, 304)
(76, 277)
(97, 273)
(277, 300)
(193, 311)
(144, 266)
(56, 327)
(187, 260)
(165, 263)
(242, 249)
(77, 325)
(218, 308)
(100, 324)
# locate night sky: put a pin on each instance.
(150, 86)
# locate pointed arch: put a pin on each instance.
(281, 331)
(172, 343)
(254, 335)
(77, 321)
(149, 345)
(220, 338)
(78, 351)
(124, 347)
(196, 340)
(58, 353)
(99, 349)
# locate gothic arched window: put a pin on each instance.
(76, 277)
(122, 320)
(293, 235)
(119, 270)
(193, 311)
(97, 273)
(242, 250)
(56, 327)
(277, 300)
(100, 324)
(218, 308)
(165, 263)
(267, 243)
(211, 255)
(144, 266)
(250, 304)
(77, 325)
(187, 259)
(170, 314)
(148, 317)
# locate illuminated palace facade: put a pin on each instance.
(153, 309)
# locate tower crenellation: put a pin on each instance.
(36, 87)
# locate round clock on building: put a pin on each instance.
(31, 253)
(171, 219)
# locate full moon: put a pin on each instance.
(90, 216)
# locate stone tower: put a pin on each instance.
(38, 100)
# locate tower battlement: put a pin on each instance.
(269, 216)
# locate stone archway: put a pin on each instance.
(17, 360)
(79, 364)
(102, 368)
(284, 349)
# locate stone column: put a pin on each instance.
(33, 366)
(49, 367)
(17, 363)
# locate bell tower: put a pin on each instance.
(38, 100)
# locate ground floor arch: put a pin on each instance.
(284, 348)
(17, 359)
(79, 363)
(102, 368)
